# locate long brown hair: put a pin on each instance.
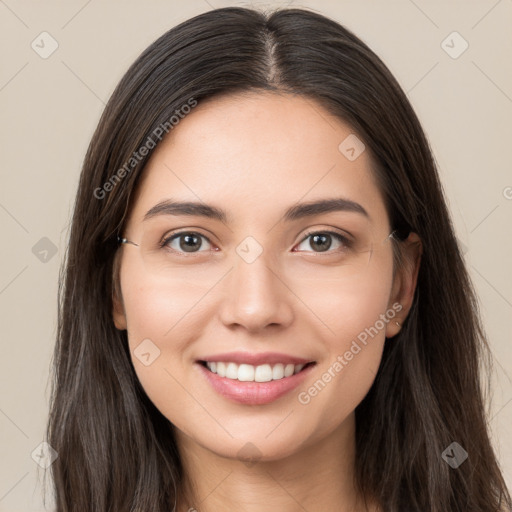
(116, 450)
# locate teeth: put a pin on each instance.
(232, 371)
(250, 373)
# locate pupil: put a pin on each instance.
(323, 238)
(191, 242)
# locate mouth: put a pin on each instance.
(252, 373)
(247, 384)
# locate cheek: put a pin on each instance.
(164, 317)
(153, 314)
(356, 316)
(157, 347)
(344, 308)
(157, 307)
(344, 378)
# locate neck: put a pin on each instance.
(316, 477)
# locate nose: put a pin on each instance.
(256, 296)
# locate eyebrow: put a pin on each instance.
(298, 211)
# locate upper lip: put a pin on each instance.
(255, 359)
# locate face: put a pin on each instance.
(257, 282)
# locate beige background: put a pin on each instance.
(51, 106)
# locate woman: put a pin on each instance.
(263, 288)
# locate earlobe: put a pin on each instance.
(405, 282)
(118, 312)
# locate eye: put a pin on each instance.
(191, 241)
(187, 241)
(322, 240)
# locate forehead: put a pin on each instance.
(255, 155)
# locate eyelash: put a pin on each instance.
(344, 240)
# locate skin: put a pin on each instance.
(255, 155)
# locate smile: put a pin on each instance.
(251, 373)
(238, 382)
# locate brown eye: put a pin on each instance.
(188, 242)
(321, 241)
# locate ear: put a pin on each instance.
(118, 312)
(404, 283)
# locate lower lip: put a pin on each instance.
(254, 393)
